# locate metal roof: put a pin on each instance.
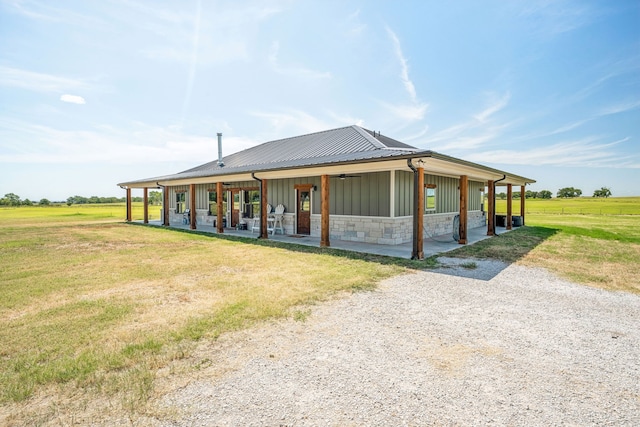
(302, 149)
(347, 145)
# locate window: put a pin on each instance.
(430, 197)
(180, 202)
(213, 202)
(305, 201)
(251, 203)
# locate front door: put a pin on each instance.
(235, 207)
(304, 211)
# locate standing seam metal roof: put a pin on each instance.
(351, 144)
(335, 142)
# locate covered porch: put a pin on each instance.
(431, 246)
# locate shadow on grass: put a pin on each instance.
(506, 248)
(427, 263)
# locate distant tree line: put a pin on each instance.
(543, 194)
(603, 192)
(11, 199)
(563, 193)
(576, 192)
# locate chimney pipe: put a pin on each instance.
(220, 162)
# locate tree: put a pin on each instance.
(603, 192)
(11, 199)
(44, 202)
(544, 194)
(155, 198)
(569, 192)
(27, 202)
(501, 196)
(530, 194)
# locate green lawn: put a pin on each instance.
(579, 205)
(37, 215)
(600, 250)
(93, 304)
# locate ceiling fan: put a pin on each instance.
(345, 176)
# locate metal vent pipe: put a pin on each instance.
(220, 162)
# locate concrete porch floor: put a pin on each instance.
(432, 246)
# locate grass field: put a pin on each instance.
(600, 249)
(94, 310)
(580, 205)
(37, 215)
(92, 304)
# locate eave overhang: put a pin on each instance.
(382, 160)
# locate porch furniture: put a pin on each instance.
(277, 219)
(255, 226)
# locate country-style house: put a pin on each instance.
(348, 184)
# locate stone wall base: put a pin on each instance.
(390, 231)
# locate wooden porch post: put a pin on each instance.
(165, 206)
(145, 201)
(264, 233)
(192, 205)
(464, 194)
(491, 209)
(324, 221)
(509, 207)
(129, 204)
(219, 213)
(419, 211)
(522, 203)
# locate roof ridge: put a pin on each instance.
(368, 137)
(307, 134)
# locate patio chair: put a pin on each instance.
(255, 226)
(277, 219)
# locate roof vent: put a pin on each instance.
(220, 162)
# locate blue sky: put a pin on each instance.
(98, 92)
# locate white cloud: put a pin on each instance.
(356, 28)
(494, 107)
(73, 99)
(293, 71)
(404, 66)
(108, 145)
(346, 120)
(619, 108)
(292, 122)
(473, 133)
(586, 152)
(407, 112)
(38, 82)
(226, 32)
(549, 19)
(415, 110)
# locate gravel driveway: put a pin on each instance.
(507, 345)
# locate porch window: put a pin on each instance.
(181, 199)
(213, 202)
(430, 198)
(251, 203)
